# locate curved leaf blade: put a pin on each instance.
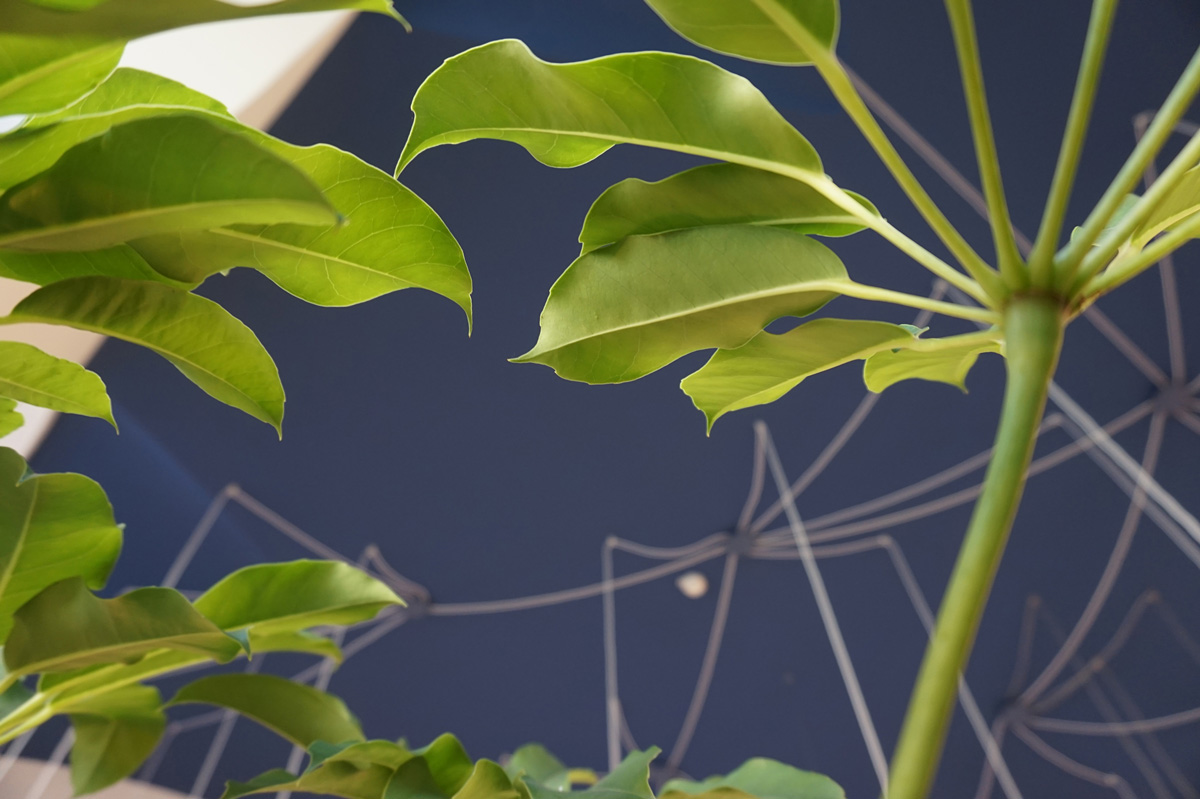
(66, 627)
(296, 641)
(114, 734)
(568, 114)
(745, 28)
(10, 418)
(949, 364)
(758, 777)
(152, 176)
(300, 713)
(52, 527)
(203, 340)
(1181, 203)
(624, 311)
(714, 194)
(43, 73)
(44, 268)
(37, 378)
(769, 366)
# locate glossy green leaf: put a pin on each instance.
(52, 527)
(567, 114)
(282, 597)
(358, 771)
(296, 641)
(947, 365)
(1181, 203)
(44, 73)
(759, 30)
(298, 712)
(414, 781)
(714, 194)
(758, 777)
(769, 365)
(629, 780)
(31, 376)
(10, 418)
(114, 734)
(623, 311)
(154, 176)
(67, 627)
(449, 764)
(536, 762)
(44, 268)
(212, 348)
(129, 19)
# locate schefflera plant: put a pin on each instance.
(707, 258)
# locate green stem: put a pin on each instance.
(1033, 333)
(1127, 268)
(1041, 259)
(863, 291)
(843, 89)
(966, 44)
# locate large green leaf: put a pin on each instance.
(413, 780)
(44, 268)
(758, 777)
(358, 771)
(29, 375)
(129, 19)
(623, 311)
(10, 418)
(300, 713)
(296, 641)
(1182, 202)
(154, 176)
(535, 762)
(52, 527)
(769, 366)
(67, 627)
(43, 73)
(281, 597)
(212, 348)
(950, 364)
(714, 194)
(760, 30)
(567, 114)
(629, 780)
(114, 734)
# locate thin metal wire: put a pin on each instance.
(1073, 767)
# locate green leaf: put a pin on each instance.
(950, 364)
(42, 73)
(13, 697)
(769, 366)
(624, 311)
(714, 194)
(1181, 203)
(449, 764)
(758, 777)
(155, 176)
(52, 527)
(44, 268)
(296, 641)
(358, 771)
(212, 348)
(10, 418)
(629, 780)
(129, 19)
(567, 114)
(300, 713)
(114, 734)
(66, 627)
(536, 762)
(1125, 206)
(758, 30)
(31, 376)
(282, 597)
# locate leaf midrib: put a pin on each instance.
(10, 569)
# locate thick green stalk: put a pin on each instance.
(1033, 334)
(1041, 259)
(966, 44)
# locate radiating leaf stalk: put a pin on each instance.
(966, 44)
(1095, 47)
(1124, 269)
(843, 89)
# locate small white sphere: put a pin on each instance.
(692, 585)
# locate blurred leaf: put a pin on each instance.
(114, 734)
(714, 194)
(1180, 204)
(52, 527)
(212, 348)
(13, 697)
(567, 114)
(621, 312)
(947, 365)
(300, 713)
(769, 366)
(42, 73)
(67, 627)
(758, 777)
(629, 780)
(296, 641)
(10, 418)
(359, 771)
(154, 176)
(534, 761)
(31, 376)
(44, 268)
(758, 30)
(448, 762)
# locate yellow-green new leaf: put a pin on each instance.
(203, 340)
(296, 641)
(769, 365)
(67, 627)
(10, 418)
(949, 364)
(358, 771)
(44, 268)
(714, 194)
(758, 777)
(758, 30)
(114, 734)
(37, 378)
(52, 527)
(621, 312)
(298, 712)
(152, 176)
(567, 114)
(1181, 203)
(43, 73)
